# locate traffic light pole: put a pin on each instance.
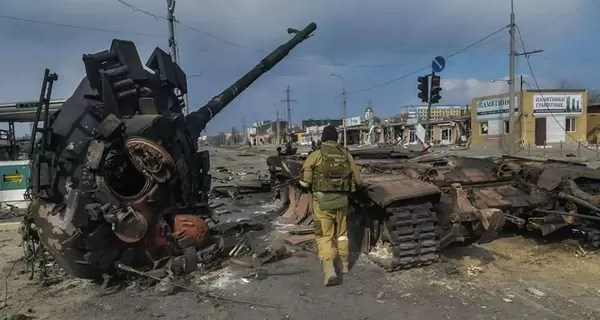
(429, 103)
(429, 91)
(344, 114)
(428, 121)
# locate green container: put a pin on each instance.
(14, 175)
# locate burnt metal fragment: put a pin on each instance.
(117, 175)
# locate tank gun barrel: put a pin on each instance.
(197, 120)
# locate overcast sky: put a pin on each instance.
(369, 43)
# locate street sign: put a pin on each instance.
(438, 64)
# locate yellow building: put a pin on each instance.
(593, 123)
(437, 112)
(542, 117)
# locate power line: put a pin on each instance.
(211, 35)
(218, 38)
(64, 25)
(463, 50)
(554, 21)
(134, 8)
(537, 85)
(292, 58)
(157, 17)
(557, 19)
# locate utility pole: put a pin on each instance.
(344, 113)
(288, 100)
(245, 133)
(278, 127)
(522, 81)
(343, 104)
(173, 46)
(512, 134)
(278, 133)
(512, 143)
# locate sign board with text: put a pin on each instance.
(557, 103)
(495, 108)
(354, 121)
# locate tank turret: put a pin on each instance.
(117, 168)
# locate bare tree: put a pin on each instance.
(593, 96)
(564, 84)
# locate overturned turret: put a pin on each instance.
(117, 176)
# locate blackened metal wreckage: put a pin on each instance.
(117, 178)
(417, 203)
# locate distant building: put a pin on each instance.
(593, 123)
(320, 122)
(266, 131)
(437, 112)
(441, 132)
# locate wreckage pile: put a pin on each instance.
(419, 202)
(117, 182)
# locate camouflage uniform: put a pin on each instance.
(331, 174)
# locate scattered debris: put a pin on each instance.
(535, 292)
(508, 298)
(300, 239)
(205, 294)
(473, 270)
(378, 297)
(302, 230)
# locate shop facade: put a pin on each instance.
(542, 118)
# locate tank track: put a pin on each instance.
(413, 233)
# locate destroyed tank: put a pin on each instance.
(402, 209)
(540, 196)
(117, 177)
(417, 203)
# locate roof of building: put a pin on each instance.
(412, 122)
(555, 90)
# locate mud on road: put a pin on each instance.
(514, 277)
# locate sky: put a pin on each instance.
(376, 46)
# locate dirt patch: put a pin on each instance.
(558, 278)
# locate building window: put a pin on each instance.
(571, 125)
(506, 127)
(483, 127)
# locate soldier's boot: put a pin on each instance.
(331, 277)
(344, 269)
(342, 249)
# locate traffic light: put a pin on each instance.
(423, 88)
(435, 89)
